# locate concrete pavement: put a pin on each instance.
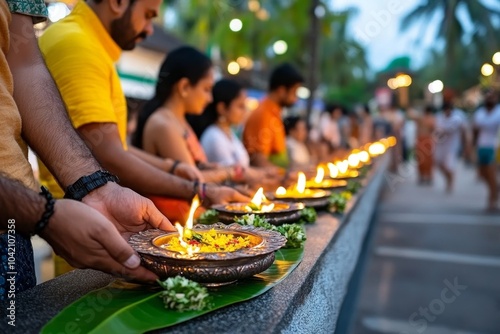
(434, 260)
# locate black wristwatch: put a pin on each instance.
(84, 185)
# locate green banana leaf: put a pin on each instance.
(123, 308)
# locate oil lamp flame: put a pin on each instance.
(353, 160)
(301, 183)
(343, 166)
(189, 226)
(267, 207)
(194, 205)
(258, 199)
(364, 157)
(376, 149)
(334, 171)
(320, 175)
(281, 191)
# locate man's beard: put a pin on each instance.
(122, 33)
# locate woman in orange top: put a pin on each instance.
(184, 87)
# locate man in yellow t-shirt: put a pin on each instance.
(80, 52)
(31, 111)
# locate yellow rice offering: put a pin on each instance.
(209, 242)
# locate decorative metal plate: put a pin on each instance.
(209, 268)
(276, 217)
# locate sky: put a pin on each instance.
(377, 27)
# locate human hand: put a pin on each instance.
(86, 239)
(224, 195)
(188, 172)
(127, 210)
(262, 177)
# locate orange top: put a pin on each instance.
(264, 130)
(194, 146)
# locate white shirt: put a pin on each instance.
(488, 124)
(221, 149)
(297, 152)
(330, 130)
(448, 130)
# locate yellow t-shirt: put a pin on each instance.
(13, 149)
(81, 55)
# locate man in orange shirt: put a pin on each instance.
(264, 134)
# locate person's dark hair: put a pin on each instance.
(184, 62)
(291, 123)
(224, 91)
(365, 109)
(330, 107)
(284, 75)
(429, 110)
(447, 105)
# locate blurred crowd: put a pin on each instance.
(434, 138)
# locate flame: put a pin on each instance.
(334, 171)
(364, 156)
(281, 191)
(189, 226)
(259, 197)
(194, 205)
(301, 183)
(343, 166)
(376, 149)
(320, 174)
(353, 160)
(267, 208)
(392, 141)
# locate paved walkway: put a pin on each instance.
(434, 261)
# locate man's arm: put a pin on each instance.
(163, 164)
(13, 193)
(92, 243)
(46, 126)
(132, 171)
(258, 159)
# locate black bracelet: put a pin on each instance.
(84, 185)
(174, 166)
(49, 211)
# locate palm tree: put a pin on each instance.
(451, 29)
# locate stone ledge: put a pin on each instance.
(307, 301)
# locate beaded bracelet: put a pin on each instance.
(49, 211)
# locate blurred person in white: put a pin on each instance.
(215, 128)
(410, 136)
(451, 125)
(296, 137)
(329, 127)
(486, 129)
